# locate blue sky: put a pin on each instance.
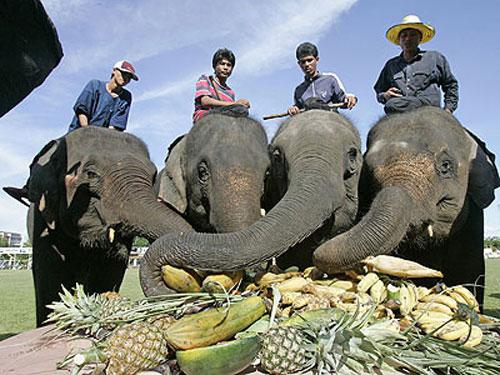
(171, 43)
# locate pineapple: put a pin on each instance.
(283, 351)
(135, 347)
(94, 315)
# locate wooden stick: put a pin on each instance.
(284, 114)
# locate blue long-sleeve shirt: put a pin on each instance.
(100, 107)
(421, 77)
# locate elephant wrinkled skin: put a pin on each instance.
(316, 162)
(91, 193)
(428, 184)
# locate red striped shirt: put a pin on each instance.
(205, 88)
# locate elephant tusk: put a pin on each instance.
(41, 203)
(52, 225)
(430, 231)
(111, 235)
(262, 212)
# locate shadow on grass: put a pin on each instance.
(4, 336)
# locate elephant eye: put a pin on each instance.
(91, 174)
(203, 173)
(446, 167)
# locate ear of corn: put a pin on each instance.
(399, 267)
(217, 324)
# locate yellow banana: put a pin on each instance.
(404, 297)
(221, 283)
(395, 266)
(429, 317)
(474, 339)
(441, 298)
(453, 330)
(367, 282)
(181, 280)
(433, 306)
(422, 291)
(378, 292)
(294, 284)
(323, 291)
(467, 295)
(412, 289)
(342, 284)
(273, 278)
(456, 296)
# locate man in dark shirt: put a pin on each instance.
(414, 78)
(322, 88)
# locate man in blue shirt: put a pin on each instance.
(318, 89)
(105, 104)
(415, 77)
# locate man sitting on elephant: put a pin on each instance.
(412, 79)
(318, 89)
(212, 92)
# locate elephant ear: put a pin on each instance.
(44, 182)
(171, 184)
(483, 174)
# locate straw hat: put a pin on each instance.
(410, 22)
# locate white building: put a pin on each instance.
(13, 239)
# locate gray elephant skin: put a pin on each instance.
(214, 176)
(429, 183)
(91, 193)
(316, 156)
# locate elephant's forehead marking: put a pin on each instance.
(377, 146)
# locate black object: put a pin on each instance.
(29, 50)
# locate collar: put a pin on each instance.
(307, 79)
(418, 56)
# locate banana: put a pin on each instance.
(395, 266)
(412, 289)
(453, 330)
(273, 278)
(342, 284)
(422, 291)
(367, 282)
(348, 297)
(404, 297)
(181, 280)
(457, 297)
(441, 298)
(432, 306)
(473, 339)
(294, 284)
(429, 317)
(287, 298)
(467, 295)
(221, 283)
(364, 298)
(378, 292)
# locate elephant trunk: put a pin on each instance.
(131, 194)
(379, 232)
(311, 185)
(237, 200)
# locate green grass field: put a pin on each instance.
(17, 305)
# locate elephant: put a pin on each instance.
(91, 192)
(214, 175)
(316, 155)
(428, 183)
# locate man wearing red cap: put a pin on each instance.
(105, 104)
(101, 103)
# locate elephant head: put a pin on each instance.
(427, 176)
(215, 174)
(95, 184)
(318, 155)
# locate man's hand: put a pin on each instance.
(293, 110)
(392, 93)
(350, 101)
(244, 102)
(448, 110)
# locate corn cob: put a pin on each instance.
(394, 266)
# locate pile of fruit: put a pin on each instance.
(286, 322)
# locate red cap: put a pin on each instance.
(126, 67)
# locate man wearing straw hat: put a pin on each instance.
(415, 78)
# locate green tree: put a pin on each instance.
(4, 242)
(140, 242)
(492, 242)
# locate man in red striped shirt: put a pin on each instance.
(212, 92)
